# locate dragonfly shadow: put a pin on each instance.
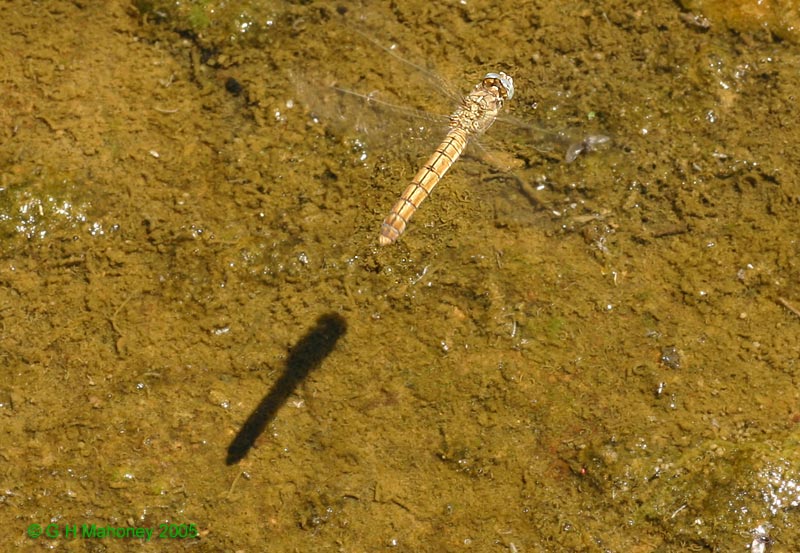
(306, 356)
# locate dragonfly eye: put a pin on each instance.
(502, 81)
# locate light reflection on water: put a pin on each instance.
(35, 216)
(781, 490)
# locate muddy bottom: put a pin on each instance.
(202, 339)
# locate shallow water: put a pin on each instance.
(568, 357)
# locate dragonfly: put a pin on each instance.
(477, 112)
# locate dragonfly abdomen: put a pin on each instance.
(422, 185)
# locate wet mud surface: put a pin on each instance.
(198, 326)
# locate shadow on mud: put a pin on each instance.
(304, 357)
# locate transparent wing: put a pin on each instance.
(373, 120)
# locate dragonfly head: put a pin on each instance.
(504, 82)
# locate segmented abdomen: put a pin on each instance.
(422, 185)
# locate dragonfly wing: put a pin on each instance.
(372, 119)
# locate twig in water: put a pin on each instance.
(784, 302)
